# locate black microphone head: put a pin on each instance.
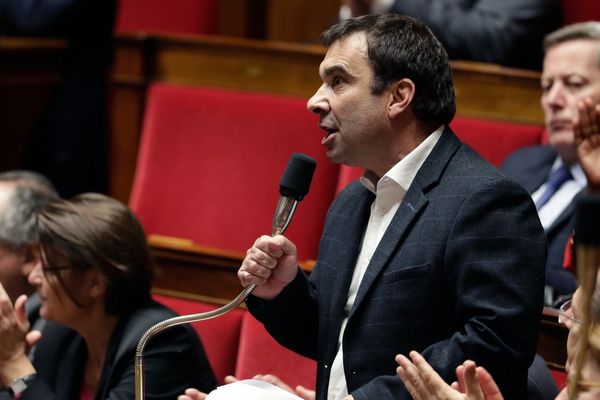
(587, 220)
(298, 174)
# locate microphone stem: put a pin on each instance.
(286, 207)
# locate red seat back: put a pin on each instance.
(560, 377)
(210, 161)
(580, 11)
(494, 140)
(174, 16)
(259, 353)
(220, 336)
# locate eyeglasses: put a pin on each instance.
(565, 313)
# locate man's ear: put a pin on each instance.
(401, 97)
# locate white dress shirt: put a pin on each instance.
(389, 192)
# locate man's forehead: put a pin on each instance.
(576, 53)
(344, 53)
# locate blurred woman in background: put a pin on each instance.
(94, 280)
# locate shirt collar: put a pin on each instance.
(403, 173)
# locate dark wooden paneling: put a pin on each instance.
(29, 70)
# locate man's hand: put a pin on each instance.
(192, 394)
(13, 345)
(271, 264)
(586, 129)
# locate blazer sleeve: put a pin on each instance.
(494, 258)
(292, 317)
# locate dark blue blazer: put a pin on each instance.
(173, 361)
(530, 167)
(458, 275)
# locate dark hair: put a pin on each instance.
(402, 47)
(95, 231)
(30, 191)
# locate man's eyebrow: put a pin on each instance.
(337, 68)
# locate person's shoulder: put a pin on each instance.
(150, 313)
(529, 155)
(472, 173)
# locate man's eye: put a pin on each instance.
(337, 81)
(546, 86)
(575, 85)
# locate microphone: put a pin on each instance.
(293, 186)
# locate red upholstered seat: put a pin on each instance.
(259, 353)
(560, 377)
(210, 161)
(580, 11)
(494, 140)
(220, 336)
(174, 16)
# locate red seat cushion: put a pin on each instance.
(220, 336)
(174, 16)
(210, 161)
(259, 353)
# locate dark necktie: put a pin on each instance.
(556, 180)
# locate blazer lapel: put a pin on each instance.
(537, 175)
(354, 223)
(414, 201)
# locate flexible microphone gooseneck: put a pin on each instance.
(293, 186)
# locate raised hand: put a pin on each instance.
(192, 394)
(586, 129)
(423, 383)
(13, 344)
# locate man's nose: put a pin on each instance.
(318, 102)
(555, 97)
